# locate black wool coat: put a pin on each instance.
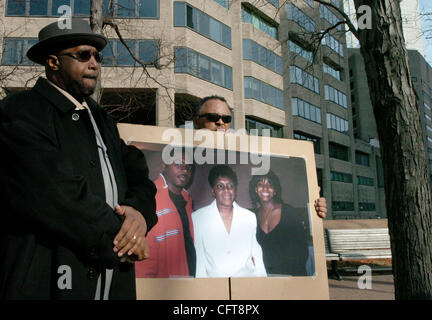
(57, 231)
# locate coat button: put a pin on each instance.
(91, 274)
(92, 163)
(75, 117)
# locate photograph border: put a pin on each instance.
(274, 288)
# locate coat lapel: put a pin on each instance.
(55, 97)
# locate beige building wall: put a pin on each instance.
(168, 84)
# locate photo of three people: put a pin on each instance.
(219, 220)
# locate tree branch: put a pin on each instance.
(346, 20)
(109, 22)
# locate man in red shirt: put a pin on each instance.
(172, 251)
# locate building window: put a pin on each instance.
(333, 44)
(337, 123)
(194, 63)
(133, 8)
(223, 3)
(133, 105)
(275, 131)
(365, 181)
(362, 158)
(259, 22)
(310, 3)
(299, 50)
(257, 53)
(39, 8)
(330, 17)
(340, 176)
(342, 206)
(336, 96)
(120, 8)
(303, 78)
(187, 16)
(275, 3)
(306, 137)
(116, 53)
(367, 206)
(28, 8)
(331, 71)
(82, 8)
(302, 19)
(261, 91)
(305, 110)
(338, 151)
(15, 49)
(336, 3)
(16, 8)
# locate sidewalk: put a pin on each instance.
(347, 289)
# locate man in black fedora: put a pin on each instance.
(77, 201)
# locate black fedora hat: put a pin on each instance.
(52, 38)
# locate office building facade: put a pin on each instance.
(257, 54)
(364, 128)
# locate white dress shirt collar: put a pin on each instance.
(78, 106)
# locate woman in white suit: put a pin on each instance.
(225, 233)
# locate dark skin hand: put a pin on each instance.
(130, 243)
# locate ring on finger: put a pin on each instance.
(134, 237)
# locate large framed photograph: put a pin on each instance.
(235, 217)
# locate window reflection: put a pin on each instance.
(39, 7)
(189, 61)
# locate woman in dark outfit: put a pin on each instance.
(283, 230)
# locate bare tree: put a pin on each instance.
(127, 103)
(406, 178)
(16, 71)
(408, 196)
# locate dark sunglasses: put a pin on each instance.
(214, 117)
(84, 56)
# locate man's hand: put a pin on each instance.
(130, 242)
